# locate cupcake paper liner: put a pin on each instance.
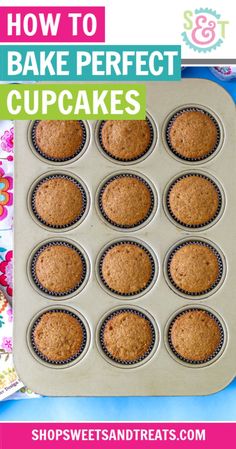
(128, 175)
(103, 346)
(126, 242)
(52, 159)
(213, 355)
(69, 178)
(170, 123)
(220, 265)
(34, 275)
(197, 226)
(99, 134)
(58, 362)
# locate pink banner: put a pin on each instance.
(52, 24)
(118, 435)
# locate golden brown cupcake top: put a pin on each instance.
(58, 336)
(126, 201)
(127, 336)
(126, 139)
(193, 200)
(194, 268)
(59, 139)
(193, 134)
(58, 201)
(195, 335)
(127, 268)
(59, 268)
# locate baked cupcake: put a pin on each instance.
(59, 201)
(194, 200)
(126, 140)
(126, 268)
(126, 200)
(127, 336)
(58, 268)
(193, 134)
(196, 336)
(195, 268)
(58, 140)
(58, 336)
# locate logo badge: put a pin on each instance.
(205, 30)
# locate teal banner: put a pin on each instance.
(90, 63)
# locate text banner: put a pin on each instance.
(73, 101)
(118, 435)
(93, 63)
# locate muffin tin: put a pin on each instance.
(161, 372)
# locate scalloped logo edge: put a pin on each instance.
(204, 29)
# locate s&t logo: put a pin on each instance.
(205, 30)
